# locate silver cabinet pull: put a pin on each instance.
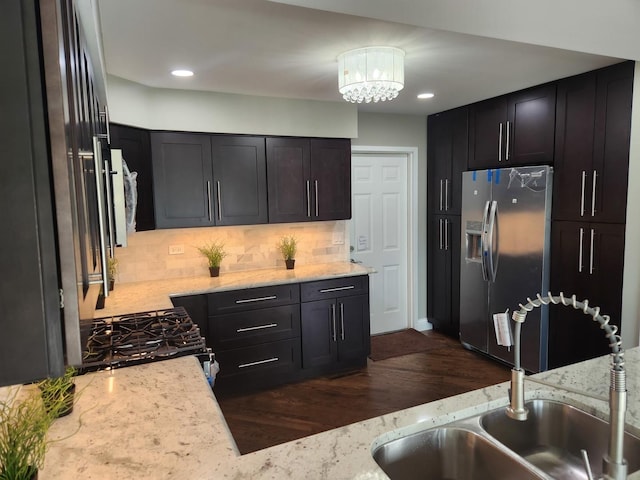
(441, 234)
(333, 321)
(259, 362)
(308, 199)
(342, 321)
(446, 234)
(506, 150)
(209, 199)
(446, 194)
(257, 299)
(258, 327)
(584, 179)
(500, 144)
(593, 194)
(315, 183)
(441, 203)
(580, 251)
(337, 289)
(219, 202)
(593, 234)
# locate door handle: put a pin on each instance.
(500, 143)
(441, 207)
(257, 327)
(593, 234)
(259, 362)
(219, 201)
(584, 179)
(581, 238)
(209, 200)
(315, 183)
(446, 234)
(446, 194)
(506, 150)
(337, 289)
(308, 198)
(342, 321)
(257, 299)
(493, 262)
(333, 322)
(440, 234)
(484, 241)
(593, 194)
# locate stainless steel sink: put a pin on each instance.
(553, 435)
(447, 453)
(493, 446)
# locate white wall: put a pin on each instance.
(183, 110)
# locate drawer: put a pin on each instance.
(253, 298)
(336, 287)
(260, 360)
(240, 329)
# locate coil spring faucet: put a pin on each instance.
(614, 464)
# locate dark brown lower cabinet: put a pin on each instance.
(587, 261)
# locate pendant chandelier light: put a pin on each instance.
(371, 74)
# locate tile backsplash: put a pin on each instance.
(248, 247)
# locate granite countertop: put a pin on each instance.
(153, 295)
(161, 421)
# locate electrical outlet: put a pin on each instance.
(176, 249)
(338, 238)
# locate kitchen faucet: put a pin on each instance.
(614, 465)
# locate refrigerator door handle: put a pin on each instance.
(484, 241)
(492, 267)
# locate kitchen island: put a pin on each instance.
(161, 421)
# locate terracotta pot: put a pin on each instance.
(214, 271)
(290, 263)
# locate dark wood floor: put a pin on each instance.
(268, 418)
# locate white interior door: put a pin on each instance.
(379, 235)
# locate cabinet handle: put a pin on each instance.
(315, 183)
(259, 362)
(342, 321)
(441, 203)
(333, 321)
(441, 234)
(209, 199)
(593, 234)
(580, 251)
(500, 144)
(219, 202)
(257, 299)
(593, 194)
(308, 199)
(446, 234)
(337, 289)
(506, 150)
(258, 327)
(584, 179)
(446, 194)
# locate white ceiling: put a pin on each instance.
(260, 47)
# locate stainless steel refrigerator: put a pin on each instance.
(505, 234)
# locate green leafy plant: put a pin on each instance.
(24, 424)
(288, 247)
(112, 269)
(214, 251)
(58, 393)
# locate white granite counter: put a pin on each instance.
(153, 295)
(161, 421)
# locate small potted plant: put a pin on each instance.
(58, 393)
(112, 270)
(24, 423)
(214, 251)
(288, 247)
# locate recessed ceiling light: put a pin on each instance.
(426, 95)
(182, 73)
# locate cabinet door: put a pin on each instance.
(529, 131)
(197, 308)
(587, 261)
(182, 180)
(135, 144)
(289, 179)
(319, 332)
(240, 180)
(611, 143)
(487, 133)
(447, 142)
(331, 179)
(353, 330)
(573, 146)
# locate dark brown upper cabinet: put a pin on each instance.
(308, 179)
(447, 144)
(203, 180)
(513, 130)
(593, 131)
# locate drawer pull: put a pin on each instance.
(337, 289)
(259, 327)
(259, 362)
(259, 299)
